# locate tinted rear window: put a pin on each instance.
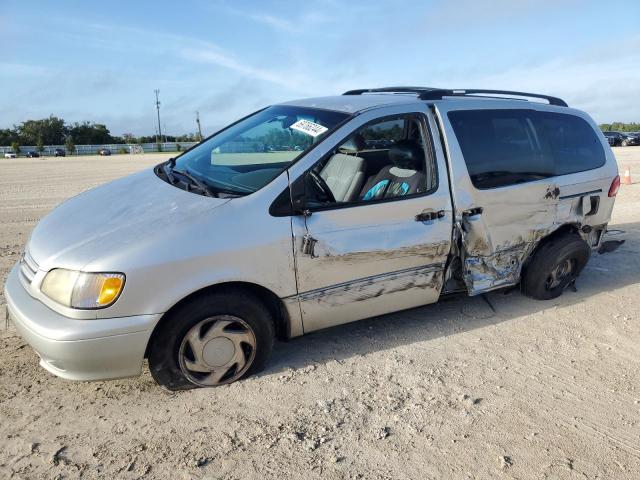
(507, 147)
(570, 142)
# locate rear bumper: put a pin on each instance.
(98, 349)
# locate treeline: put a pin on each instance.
(55, 131)
(620, 127)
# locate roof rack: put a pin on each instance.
(428, 93)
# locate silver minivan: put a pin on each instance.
(310, 214)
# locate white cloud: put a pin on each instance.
(606, 88)
(480, 13)
(273, 21)
(214, 56)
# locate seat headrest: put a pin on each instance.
(407, 154)
(354, 144)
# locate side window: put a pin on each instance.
(569, 141)
(507, 147)
(383, 160)
(500, 147)
(384, 134)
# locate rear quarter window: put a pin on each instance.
(570, 142)
(512, 146)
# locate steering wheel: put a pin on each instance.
(321, 185)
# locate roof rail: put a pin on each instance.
(417, 90)
(428, 93)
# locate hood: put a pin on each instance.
(113, 217)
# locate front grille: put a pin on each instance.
(28, 267)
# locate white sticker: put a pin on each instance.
(310, 128)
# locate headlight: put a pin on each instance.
(82, 290)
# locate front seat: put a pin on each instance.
(403, 176)
(344, 171)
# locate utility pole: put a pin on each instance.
(199, 129)
(159, 138)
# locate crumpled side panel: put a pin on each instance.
(495, 251)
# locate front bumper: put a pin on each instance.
(97, 349)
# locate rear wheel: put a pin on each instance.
(215, 339)
(554, 266)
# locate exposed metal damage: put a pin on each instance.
(428, 276)
(427, 252)
(493, 257)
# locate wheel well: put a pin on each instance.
(264, 295)
(566, 229)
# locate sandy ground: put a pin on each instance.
(453, 390)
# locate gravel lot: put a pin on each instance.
(453, 390)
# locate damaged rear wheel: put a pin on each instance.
(554, 266)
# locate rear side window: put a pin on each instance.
(507, 147)
(569, 141)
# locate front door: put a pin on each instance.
(378, 239)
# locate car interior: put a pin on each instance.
(373, 169)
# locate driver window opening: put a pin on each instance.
(380, 161)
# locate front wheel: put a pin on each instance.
(554, 266)
(213, 340)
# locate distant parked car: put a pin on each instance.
(32, 155)
(104, 151)
(631, 139)
(59, 152)
(10, 155)
(615, 139)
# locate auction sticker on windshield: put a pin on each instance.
(310, 128)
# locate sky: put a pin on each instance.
(102, 61)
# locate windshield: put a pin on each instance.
(246, 156)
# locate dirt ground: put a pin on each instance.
(453, 390)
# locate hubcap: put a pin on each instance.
(217, 350)
(560, 273)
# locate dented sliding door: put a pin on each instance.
(505, 196)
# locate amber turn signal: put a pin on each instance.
(110, 290)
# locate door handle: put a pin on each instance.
(472, 212)
(427, 216)
(308, 245)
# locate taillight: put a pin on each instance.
(615, 186)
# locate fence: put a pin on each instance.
(115, 148)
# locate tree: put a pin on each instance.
(8, 136)
(50, 131)
(128, 138)
(69, 145)
(15, 146)
(189, 137)
(620, 127)
(87, 133)
(40, 145)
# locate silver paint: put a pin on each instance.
(367, 260)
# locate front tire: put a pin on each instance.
(214, 339)
(555, 265)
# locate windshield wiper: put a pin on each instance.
(198, 183)
(166, 168)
